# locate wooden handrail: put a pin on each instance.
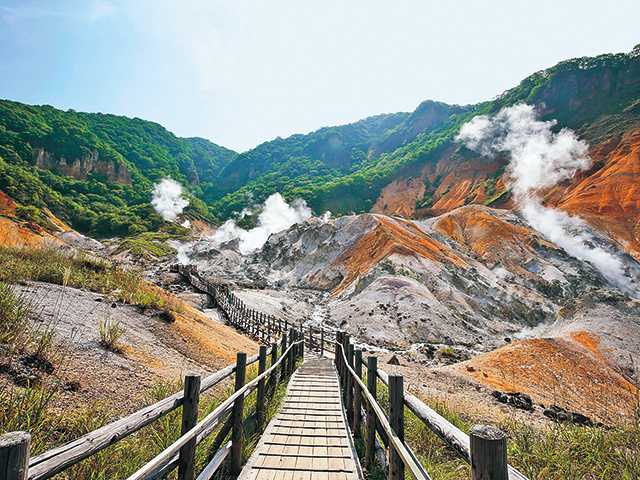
(449, 433)
(60, 458)
(210, 420)
(409, 460)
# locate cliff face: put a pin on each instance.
(455, 179)
(598, 98)
(81, 168)
(609, 198)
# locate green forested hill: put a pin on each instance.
(96, 171)
(595, 95)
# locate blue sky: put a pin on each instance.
(243, 72)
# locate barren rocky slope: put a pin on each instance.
(448, 289)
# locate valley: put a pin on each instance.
(488, 253)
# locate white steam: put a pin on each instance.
(277, 215)
(168, 200)
(183, 252)
(540, 158)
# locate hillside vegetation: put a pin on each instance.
(96, 171)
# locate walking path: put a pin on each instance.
(308, 439)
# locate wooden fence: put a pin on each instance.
(15, 463)
(485, 449)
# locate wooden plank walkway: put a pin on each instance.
(308, 439)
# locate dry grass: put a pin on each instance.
(85, 272)
(29, 411)
(111, 333)
(550, 452)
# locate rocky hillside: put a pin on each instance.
(597, 97)
(96, 171)
(474, 281)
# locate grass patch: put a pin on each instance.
(84, 272)
(553, 452)
(111, 333)
(14, 312)
(29, 409)
(150, 244)
(500, 196)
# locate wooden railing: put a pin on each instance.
(321, 340)
(233, 405)
(15, 463)
(254, 323)
(485, 449)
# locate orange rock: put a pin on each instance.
(556, 371)
(7, 205)
(493, 239)
(609, 198)
(391, 236)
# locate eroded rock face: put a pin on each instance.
(470, 278)
(80, 168)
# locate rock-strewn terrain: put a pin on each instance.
(447, 289)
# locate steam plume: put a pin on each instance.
(277, 215)
(168, 200)
(540, 158)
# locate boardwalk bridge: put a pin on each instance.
(331, 401)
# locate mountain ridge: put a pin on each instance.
(99, 169)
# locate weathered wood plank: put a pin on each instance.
(309, 435)
(58, 459)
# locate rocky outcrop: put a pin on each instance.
(81, 168)
(554, 371)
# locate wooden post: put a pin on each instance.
(283, 365)
(338, 357)
(345, 356)
(350, 385)
(14, 455)
(488, 453)
(396, 420)
(291, 360)
(273, 379)
(293, 336)
(237, 433)
(357, 394)
(370, 439)
(322, 343)
(189, 419)
(260, 405)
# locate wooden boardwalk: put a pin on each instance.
(308, 439)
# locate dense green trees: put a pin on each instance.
(341, 169)
(95, 203)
